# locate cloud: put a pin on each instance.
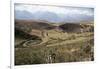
(61, 13)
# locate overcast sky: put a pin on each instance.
(53, 13)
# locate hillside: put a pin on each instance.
(28, 25)
(77, 27)
(42, 43)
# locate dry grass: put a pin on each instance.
(57, 47)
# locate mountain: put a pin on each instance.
(77, 27)
(48, 16)
(44, 15)
(23, 15)
(71, 27)
(24, 24)
(52, 17)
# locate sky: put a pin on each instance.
(55, 14)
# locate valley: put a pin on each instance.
(43, 43)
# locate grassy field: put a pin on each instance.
(56, 47)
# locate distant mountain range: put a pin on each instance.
(52, 17)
